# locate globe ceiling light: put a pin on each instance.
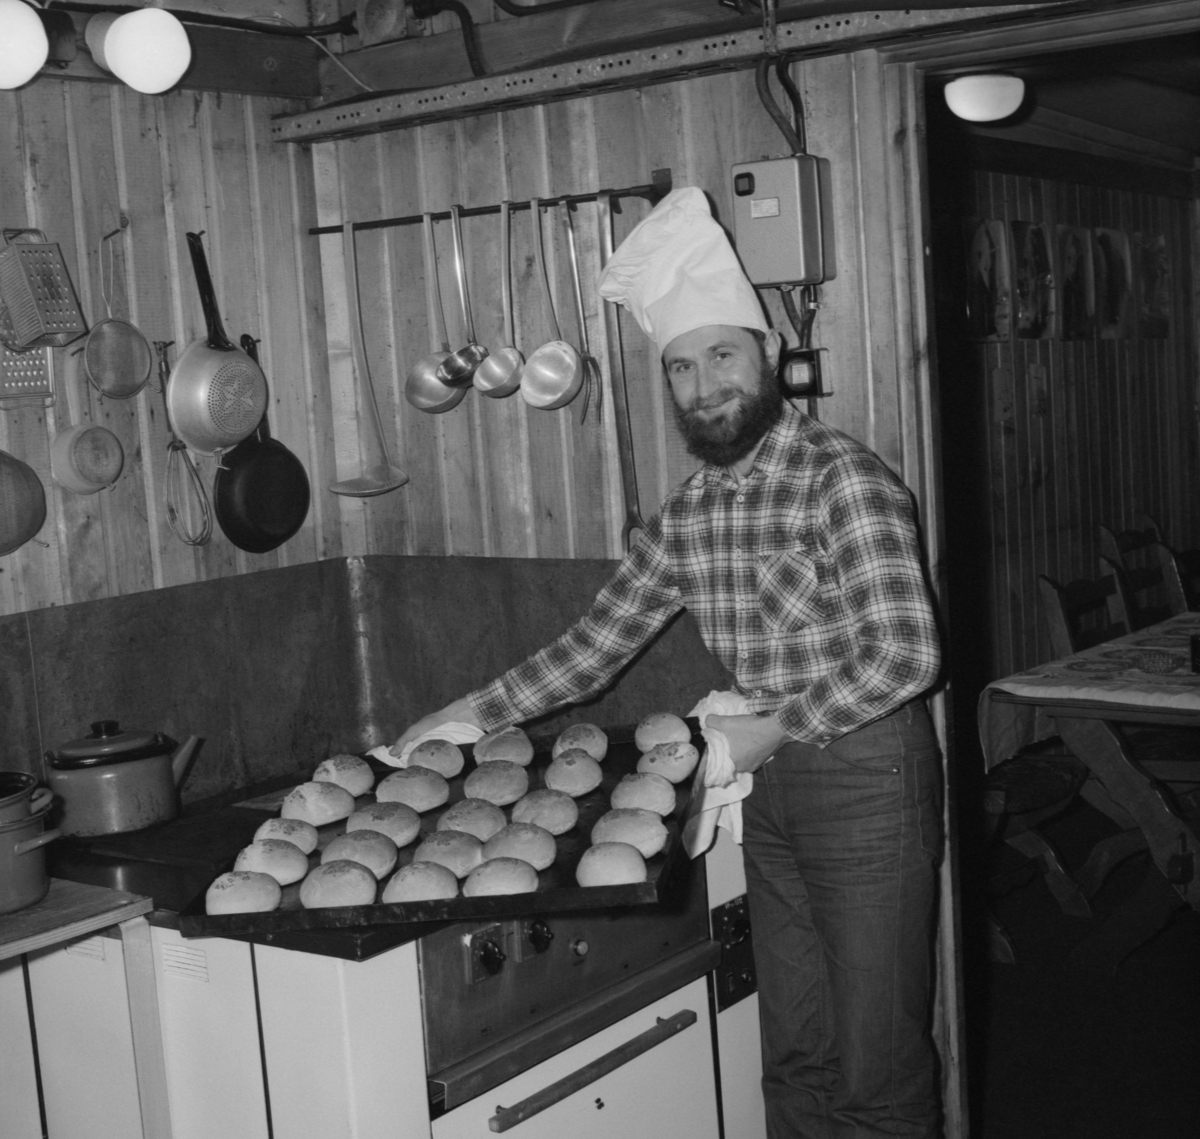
(984, 98)
(147, 49)
(24, 45)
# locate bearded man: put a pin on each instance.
(795, 549)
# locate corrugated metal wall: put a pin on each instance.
(1083, 432)
(491, 476)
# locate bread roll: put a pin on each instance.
(474, 816)
(318, 803)
(674, 761)
(554, 811)
(501, 876)
(296, 831)
(643, 829)
(371, 849)
(438, 755)
(346, 771)
(421, 882)
(509, 743)
(341, 883)
(660, 728)
(526, 841)
(284, 861)
(499, 781)
(587, 737)
(242, 892)
(418, 787)
(396, 820)
(647, 790)
(457, 851)
(574, 773)
(610, 864)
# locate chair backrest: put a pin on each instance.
(1151, 592)
(1082, 613)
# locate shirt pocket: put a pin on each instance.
(789, 591)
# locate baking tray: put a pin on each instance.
(557, 890)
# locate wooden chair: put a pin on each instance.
(1082, 613)
(1147, 575)
(1187, 561)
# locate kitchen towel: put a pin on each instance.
(455, 732)
(718, 788)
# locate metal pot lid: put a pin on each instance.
(108, 744)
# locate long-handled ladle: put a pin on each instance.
(422, 388)
(553, 374)
(458, 368)
(500, 374)
(591, 366)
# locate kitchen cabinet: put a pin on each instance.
(666, 1090)
(18, 1075)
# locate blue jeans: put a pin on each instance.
(841, 847)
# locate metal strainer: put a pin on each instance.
(116, 356)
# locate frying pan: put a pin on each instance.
(216, 394)
(261, 491)
(22, 503)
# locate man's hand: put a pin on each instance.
(460, 711)
(752, 739)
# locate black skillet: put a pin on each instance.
(261, 492)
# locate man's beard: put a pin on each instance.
(732, 435)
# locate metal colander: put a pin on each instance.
(117, 358)
(236, 398)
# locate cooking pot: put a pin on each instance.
(113, 781)
(23, 809)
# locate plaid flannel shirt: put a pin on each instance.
(805, 582)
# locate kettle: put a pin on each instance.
(113, 781)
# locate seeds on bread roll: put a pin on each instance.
(526, 841)
(371, 849)
(660, 728)
(318, 803)
(296, 831)
(574, 772)
(556, 811)
(342, 883)
(283, 860)
(396, 820)
(509, 743)
(242, 892)
(673, 761)
(644, 789)
(588, 737)
(421, 882)
(438, 755)
(610, 864)
(418, 787)
(347, 771)
(474, 816)
(499, 781)
(501, 876)
(643, 829)
(457, 851)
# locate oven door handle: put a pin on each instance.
(507, 1117)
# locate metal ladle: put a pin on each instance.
(458, 368)
(591, 366)
(384, 475)
(553, 374)
(500, 374)
(422, 388)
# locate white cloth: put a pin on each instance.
(720, 787)
(676, 272)
(455, 732)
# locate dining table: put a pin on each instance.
(1091, 699)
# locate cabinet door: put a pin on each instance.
(85, 1041)
(18, 1079)
(667, 1090)
(210, 1037)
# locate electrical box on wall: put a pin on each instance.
(783, 220)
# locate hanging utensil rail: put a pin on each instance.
(657, 189)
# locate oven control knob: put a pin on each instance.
(491, 957)
(579, 947)
(540, 936)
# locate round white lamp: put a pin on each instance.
(23, 44)
(147, 49)
(984, 98)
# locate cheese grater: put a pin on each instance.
(23, 375)
(37, 291)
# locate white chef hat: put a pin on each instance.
(676, 271)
